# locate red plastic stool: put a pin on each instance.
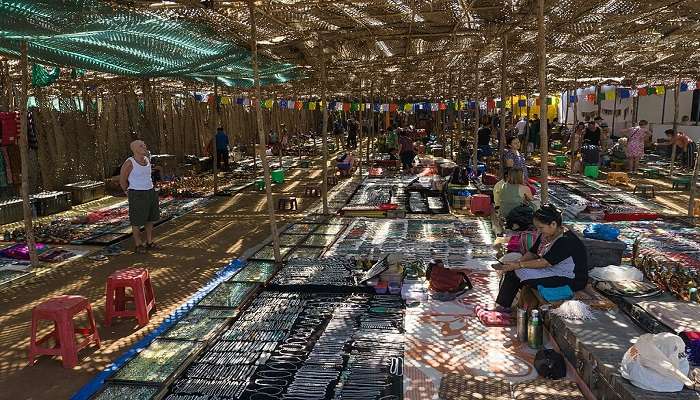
(61, 311)
(480, 204)
(142, 295)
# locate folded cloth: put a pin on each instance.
(20, 251)
(493, 317)
(555, 293)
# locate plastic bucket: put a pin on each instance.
(560, 161)
(591, 171)
(277, 176)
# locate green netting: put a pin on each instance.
(100, 36)
(41, 77)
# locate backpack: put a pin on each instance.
(590, 154)
(446, 280)
(460, 176)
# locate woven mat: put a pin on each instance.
(469, 387)
(547, 389)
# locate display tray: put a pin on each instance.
(267, 253)
(158, 362)
(255, 271)
(229, 295)
(596, 347)
(199, 324)
(114, 391)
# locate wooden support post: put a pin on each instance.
(502, 138)
(676, 93)
(544, 145)
(214, 150)
(24, 154)
(566, 112)
(476, 113)
(663, 108)
(261, 135)
(612, 130)
(371, 134)
(693, 187)
(359, 132)
(324, 135)
(597, 99)
(460, 116)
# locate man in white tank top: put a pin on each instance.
(135, 179)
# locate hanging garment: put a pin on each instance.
(9, 125)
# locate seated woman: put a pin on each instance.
(513, 193)
(557, 258)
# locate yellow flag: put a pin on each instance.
(312, 105)
(610, 95)
(660, 89)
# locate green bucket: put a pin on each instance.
(591, 171)
(260, 184)
(277, 176)
(560, 161)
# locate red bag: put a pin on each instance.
(489, 179)
(446, 280)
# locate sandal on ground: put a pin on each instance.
(140, 249)
(152, 246)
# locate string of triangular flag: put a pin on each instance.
(624, 93)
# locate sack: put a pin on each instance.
(657, 363)
(590, 154)
(616, 273)
(601, 232)
(446, 280)
(520, 218)
(550, 364)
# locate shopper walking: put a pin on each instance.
(222, 149)
(135, 180)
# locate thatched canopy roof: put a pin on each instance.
(416, 48)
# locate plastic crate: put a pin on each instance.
(602, 253)
(591, 171)
(11, 211)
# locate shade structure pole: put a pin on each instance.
(214, 150)
(261, 135)
(460, 116)
(359, 133)
(663, 107)
(370, 134)
(612, 131)
(566, 113)
(693, 187)
(324, 134)
(544, 145)
(477, 117)
(502, 139)
(24, 153)
(676, 92)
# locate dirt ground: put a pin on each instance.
(194, 248)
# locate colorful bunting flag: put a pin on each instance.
(298, 105)
(442, 106)
(590, 97)
(573, 99)
(393, 107)
(407, 107)
(684, 86)
(624, 93)
(226, 100)
(522, 103)
(239, 101)
(642, 91)
(651, 90)
(610, 95)
(472, 105)
(601, 96)
(283, 103)
(434, 107)
(660, 89)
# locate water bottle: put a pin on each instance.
(522, 324)
(534, 330)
